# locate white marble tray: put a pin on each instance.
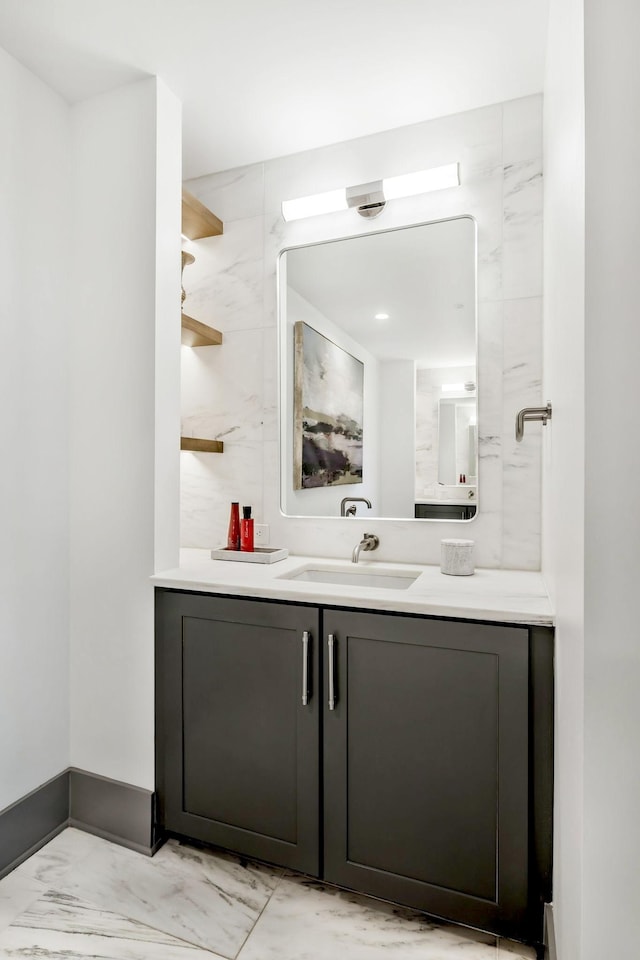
(258, 555)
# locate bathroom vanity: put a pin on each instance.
(362, 736)
(444, 510)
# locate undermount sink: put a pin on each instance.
(354, 576)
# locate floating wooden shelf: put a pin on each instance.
(201, 446)
(196, 334)
(197, 221)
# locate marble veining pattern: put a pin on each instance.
(219, 404)
(102, 901)
(58, 925)
(187, 893)
(323, 923)
(522, 236)
(52, 862)
(224, 285)
(522, 387)
(234, 194)
(17, 892)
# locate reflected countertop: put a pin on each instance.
(504, 596)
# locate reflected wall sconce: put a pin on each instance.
(468, 386)
(370, 199)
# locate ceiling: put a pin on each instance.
(263, 79)
(422, 277)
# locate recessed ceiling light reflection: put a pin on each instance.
(381, 316)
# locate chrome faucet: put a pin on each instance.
(351, 511)
(368, 542)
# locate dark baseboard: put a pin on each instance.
(549, 933)
(115, 811)
(32, 821)
(111, 809)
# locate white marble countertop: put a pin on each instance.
(505, 596)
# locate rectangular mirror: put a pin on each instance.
(378, 374)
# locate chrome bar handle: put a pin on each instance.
(305, 667)
(332, 688)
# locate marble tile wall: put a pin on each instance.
(230, 392)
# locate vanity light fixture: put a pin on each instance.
(330, 202)
(467, 387)
(370, 199)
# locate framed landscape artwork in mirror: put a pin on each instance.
(378, 342)
(327, 412)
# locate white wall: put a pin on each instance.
(397, 402)
(126, 148)
(611, 918)
(564, 386)
(499, 149)
(35, 250)
(167, 329)
(593, 342)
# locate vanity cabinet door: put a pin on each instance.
(426, 765)
(237, 749)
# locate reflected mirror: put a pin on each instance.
(378, 373)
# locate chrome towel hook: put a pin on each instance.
(531, 413)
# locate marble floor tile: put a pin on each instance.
(208, 899)
(53, 861)
(17, 891)
(59, 926)
(508, 948)
(305, 920)
(82, 897)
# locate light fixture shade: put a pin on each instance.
(423, 181)
(330, 202)
(370, 198)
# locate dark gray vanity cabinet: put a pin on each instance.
(237, 749)
(444, 511)
(428, 741)
(426, 765)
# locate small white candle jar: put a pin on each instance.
(456, 557)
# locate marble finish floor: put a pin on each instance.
(81, 897)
